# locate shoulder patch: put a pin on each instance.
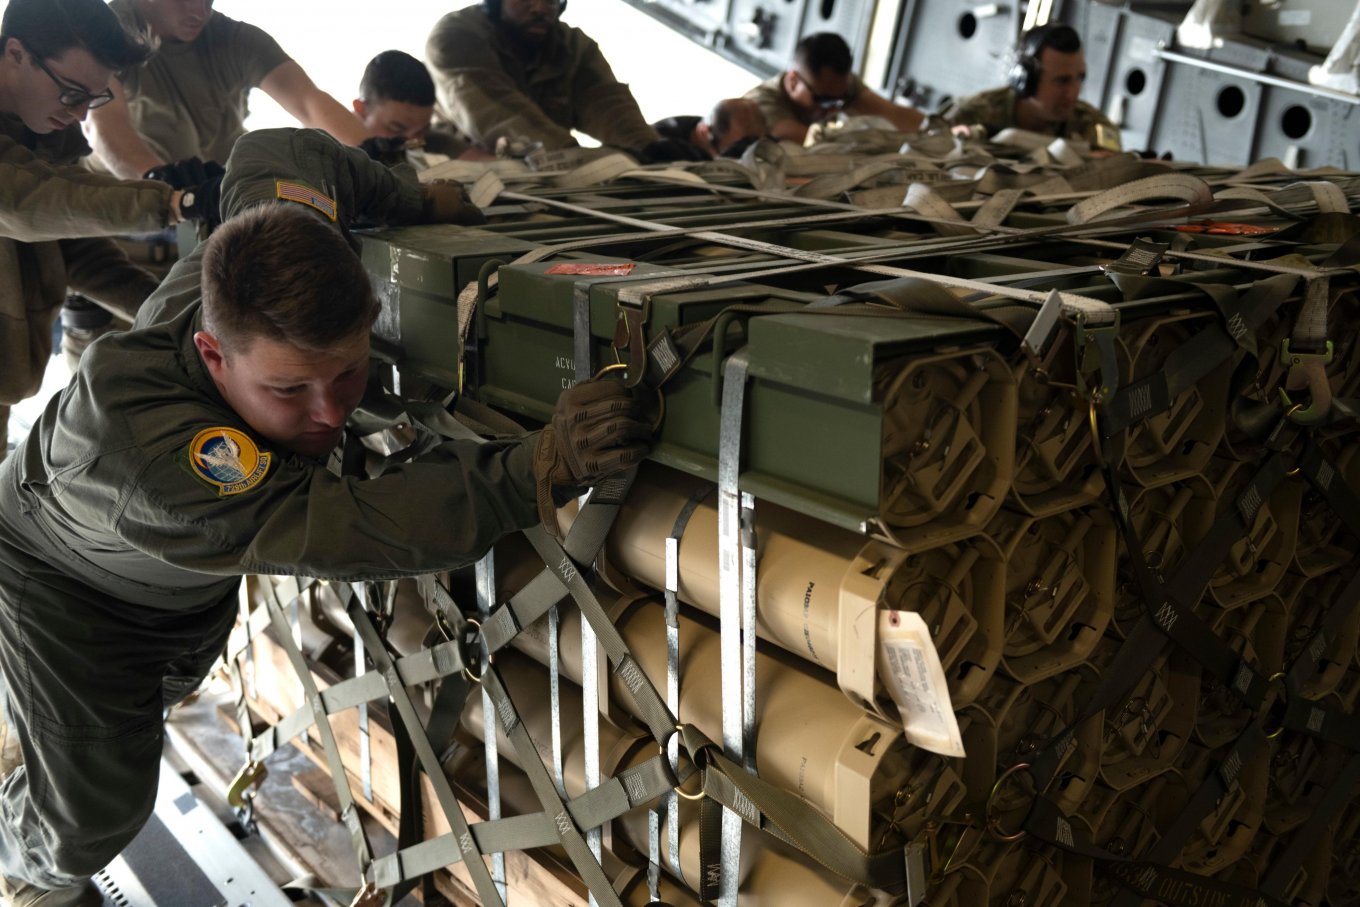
(290, 191)
(228, 460)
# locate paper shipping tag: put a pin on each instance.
(587, 269)
(910, 669)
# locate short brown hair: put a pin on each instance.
(278, 271)
(49, 28)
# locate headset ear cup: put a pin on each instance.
(1024, 76)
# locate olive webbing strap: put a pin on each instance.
(791, 819)
(1167, 607)
(1217, 782)
(1336, 798)
(1202, 353)
(570, 835)
(1140, 878)
(396, 692)
(1252, 740)
(584, 541)
(629, 789)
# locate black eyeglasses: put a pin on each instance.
(72, 95)
(828, 102)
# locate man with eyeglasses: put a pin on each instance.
(819, 86)
(58, 59)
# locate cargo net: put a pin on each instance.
(1096, 645)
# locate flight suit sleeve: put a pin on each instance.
(479, 97)
(362, 190)
(99, 269)
(605, 109)
(40, 202)
(180, 289)
(442, 511)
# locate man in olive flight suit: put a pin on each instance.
(508, 69)
(58, 59)
(189, 451)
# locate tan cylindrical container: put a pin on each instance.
(1177, 443)
(948, 444)
(809, 738)
(1055, 468)
(1143, 734)
(1256, 563)
(1059, 588)
(819, 588)
(1307, 600)
(1170, 521)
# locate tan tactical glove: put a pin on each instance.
(596, 431)
(447, 203)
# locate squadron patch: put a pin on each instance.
(228, 460)
(289, 191)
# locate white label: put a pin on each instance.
(910, 668)
(1296, 18)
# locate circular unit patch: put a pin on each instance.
(228, 459)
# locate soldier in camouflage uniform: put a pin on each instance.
(191, 450)
(189, 100)
(508, 69)
(818, 87)
(1042, 94)
(59, 56)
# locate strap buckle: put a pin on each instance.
(244, 785)
(1306, 370)
(633, 308)
(1097, 369)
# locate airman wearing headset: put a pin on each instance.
(510, 70)
(1041, 94)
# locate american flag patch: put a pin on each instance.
(305, 195)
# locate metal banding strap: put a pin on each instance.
(671, 802)
(590, 729)
(555, 695)
(731, 557)
(484, 574)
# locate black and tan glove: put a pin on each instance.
(203, 202)
(596, 431)
(185, 174)
(446, 202)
